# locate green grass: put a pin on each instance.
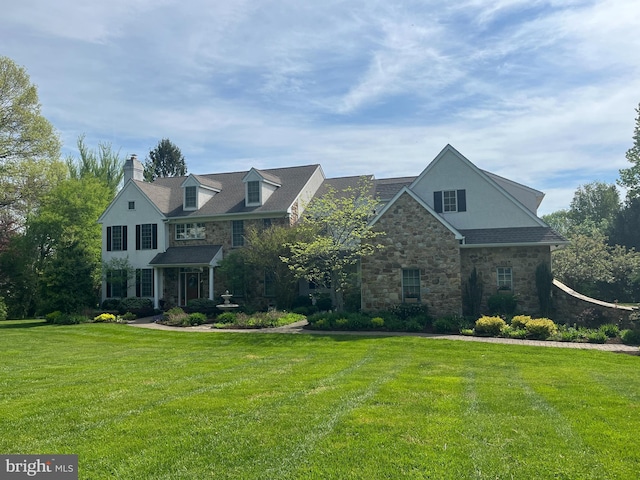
(144, 404)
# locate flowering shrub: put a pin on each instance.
(105, 317)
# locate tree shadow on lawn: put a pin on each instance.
(37, 322)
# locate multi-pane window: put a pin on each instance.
(505, 278)
(144, 284)
(237, 233)
(253, 192)
(132, 205)
(147, 236)
(269, 283)
(190, 197)
(116, 283)
(411, 285)
(190, 231)
(117, 238)
(449, 201)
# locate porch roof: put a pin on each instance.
(188, 256)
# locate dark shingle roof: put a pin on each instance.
(386, 188)
(166, 193)
(513, 235)
(189, 255)
(340, 184)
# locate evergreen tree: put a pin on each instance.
(166, 160)
(630, 177)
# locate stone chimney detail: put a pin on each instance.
(133, 169)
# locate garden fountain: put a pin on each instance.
(227, 305)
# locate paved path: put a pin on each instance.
(297, 328)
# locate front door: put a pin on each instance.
(190, 286)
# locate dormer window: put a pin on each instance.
(190, 197)
(253, 192)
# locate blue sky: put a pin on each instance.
(541, 92)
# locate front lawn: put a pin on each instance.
(144, 404)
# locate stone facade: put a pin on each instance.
(523, 262)
(413, 239)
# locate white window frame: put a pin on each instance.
(190, 231)
(237, 234)
(449, 201)
(117, 247)
(255, 193)
(504, 278)
(191, 201)
(409, 287)
(146, 236)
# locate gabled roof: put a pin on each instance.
(512, 236)
(266, 176)
(438, 217)
(166, 193)
(484, 175)
(142, 187)
(341, 184)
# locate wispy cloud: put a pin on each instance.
(539, 91)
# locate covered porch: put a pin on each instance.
(185, 273)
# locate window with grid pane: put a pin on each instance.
(145, 282)
(146, 236)
(237, 233)
(505, 278)
(410, 284)
(190, 197)
(253, 192)
(116, 239)
(449, 201)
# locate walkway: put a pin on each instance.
(298, 328)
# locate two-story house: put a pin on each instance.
(438, 226)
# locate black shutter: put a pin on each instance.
(137, 237)
(124, 237)
(462, 200)
(138, 279)
(109, 281)
(108, 239)
(437, 202)
(154, 236)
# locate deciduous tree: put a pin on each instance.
(337, 235)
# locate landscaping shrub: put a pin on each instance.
(59, 318)
(142, 307)
(630, 337)
(3, 309)
(405, 311)
(508, 331)
(519, 322)
(446, 325)
(541, 328)
(489, 325)
(202, 305)
(111, 304)
(226, 317)
(197, 318)
(590, 317)
(175, 317)
(323, 303)
(610, 330)
(596, 336)
(377, 323)
(105, 317)
(567, 334)
(502, 303)
(129, 316)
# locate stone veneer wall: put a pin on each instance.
(414, 239)
(216, 233)
(522, 260)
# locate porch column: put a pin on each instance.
(156, 287)
(210, 282)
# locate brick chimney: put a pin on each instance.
(133, 169)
